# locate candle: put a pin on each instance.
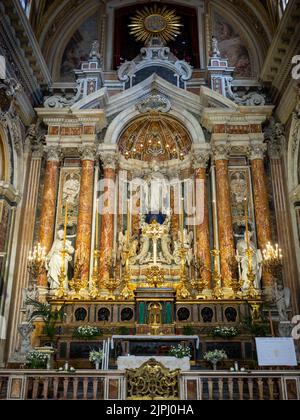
(128, 221)
(182, 220)
(66, 223)
(97, 225)
(215, 218)
(246, 220)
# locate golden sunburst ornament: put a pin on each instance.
(155, 21)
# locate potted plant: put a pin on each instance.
(49, 316)
(86, 332)
(96, 358)
(214, 357)
(225, 332)
(36, 360)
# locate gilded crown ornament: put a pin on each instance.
(153, 22)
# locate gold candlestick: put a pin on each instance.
(60, 293)
(94, 291)
(251, 292)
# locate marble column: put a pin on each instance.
(202, 212)
(25, 242)
(226, 239)
(283, 219)
(47, 220)
(107, 214)
(261, 202)
(85, 212)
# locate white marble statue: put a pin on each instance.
(30, 294)
(243, 261)
(215, 47)
(144, 255)
(187, 241)
(282, 297)
(55, 260)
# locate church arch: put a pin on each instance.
(127, 116)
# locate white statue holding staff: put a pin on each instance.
(55, 261)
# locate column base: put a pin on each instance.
(205, 295)
(43, 293)
(228, 293)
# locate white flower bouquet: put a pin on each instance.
(86, 332)
(36, 360)
(215, 357)
(96, 356)
(180, 352)
(225, 332)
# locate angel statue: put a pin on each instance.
(282, 297)
(243, 261)
(54, 261)
(215, 47)
(187, 242)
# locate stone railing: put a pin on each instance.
(111, 385)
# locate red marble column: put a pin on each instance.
(85, 214)
(226, 239)
(261, 203)
(47, 221)
(107, 215)
(202, 225)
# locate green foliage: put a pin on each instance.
(257, 329)
(188, 330)
(49, 316)
(123, 331)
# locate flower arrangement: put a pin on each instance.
(215, 357)
(86, 332)
(180, 352)
(96, 356)
(225, 332)
(37, 360)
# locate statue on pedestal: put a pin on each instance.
(243, 261)
(55, 259)
(282, 297)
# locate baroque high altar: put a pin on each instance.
(155, 211)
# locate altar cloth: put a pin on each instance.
(172, 363)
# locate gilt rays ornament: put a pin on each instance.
(155, 21)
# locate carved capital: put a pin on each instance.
(221, 151)
(109, 160)
(201, 159)
(53, 154)
(87, 153)
(257, 151)
(275, 138)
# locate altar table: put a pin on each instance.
(172, 363)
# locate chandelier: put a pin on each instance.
(37, 261)
(272, 259)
